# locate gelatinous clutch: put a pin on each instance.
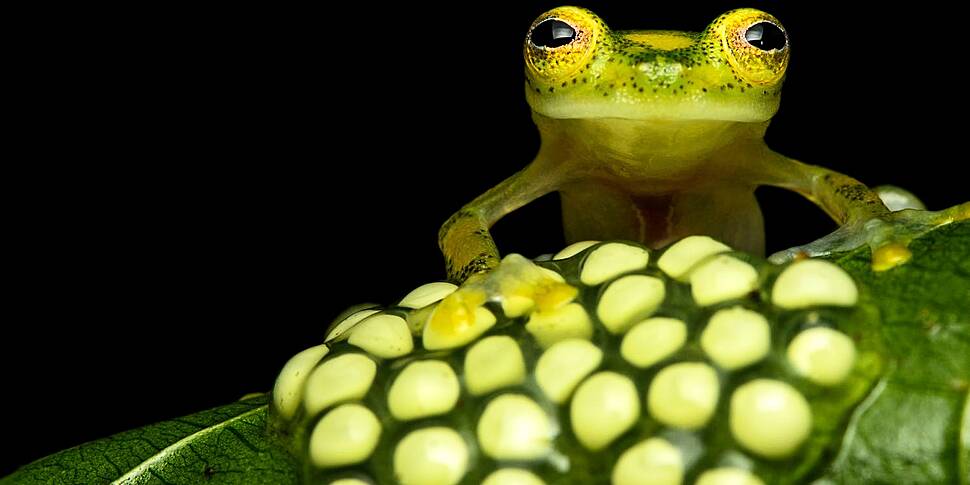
(604, 363)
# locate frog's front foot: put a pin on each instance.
(517, 286)
(888, 236)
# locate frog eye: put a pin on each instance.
(559, 46)
(754, 43)
(766, 36)
(552, 33)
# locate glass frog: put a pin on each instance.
(655, 135)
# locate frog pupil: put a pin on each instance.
(765, 36)
(552, 33)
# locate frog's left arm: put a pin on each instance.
(845, 199)
(464, 239)
(861, 214)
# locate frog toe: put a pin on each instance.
(788, 255)
(845, 238)
(959, 212)
(889, 256)
(905, 225)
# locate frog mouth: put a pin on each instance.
(688, 108)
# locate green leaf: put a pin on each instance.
(915, 426)
(228, 444)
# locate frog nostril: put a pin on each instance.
(766, 36)
(552, 33)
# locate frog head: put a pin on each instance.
(576, 67)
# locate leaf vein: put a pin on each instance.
(242, 439)
(145, 466)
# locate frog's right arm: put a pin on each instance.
(464, 239)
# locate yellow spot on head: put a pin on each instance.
(665, 41)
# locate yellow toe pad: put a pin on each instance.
(890, 256)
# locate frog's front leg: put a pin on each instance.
(464, 239)
(861, 214)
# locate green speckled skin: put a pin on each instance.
(656, 135)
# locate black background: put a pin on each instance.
(214, 187)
